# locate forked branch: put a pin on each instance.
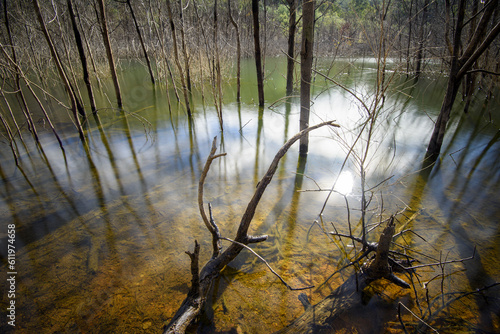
(210, 224)
(194, 302)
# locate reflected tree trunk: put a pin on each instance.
(141, 40)
(109, 52)
(11, 135)
(306, 57)
(258, 53)
(292, 28)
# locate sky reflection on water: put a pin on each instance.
(114, 219)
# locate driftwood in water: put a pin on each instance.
(328, 315)
(202, 280)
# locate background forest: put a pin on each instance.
(189, 42)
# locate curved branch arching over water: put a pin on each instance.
(202, 280)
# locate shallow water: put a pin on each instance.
(101, 230)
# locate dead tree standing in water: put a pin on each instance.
(292, 28)
(463, 58)
(177, 61)
(306, 57)
(24, 105)
(109, 52)
(183, 44)
(218, 76)
(83, 58)
(238, 52)
(258, 53)
(141, 40)
(71, 94)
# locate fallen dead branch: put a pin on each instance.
(202, 280)
(269, 267)
(329, 314)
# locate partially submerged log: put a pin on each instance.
(379, 267)
(202, 280)
(327, 316)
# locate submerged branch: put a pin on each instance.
(442, 262)
(416, 316)
(268, 265)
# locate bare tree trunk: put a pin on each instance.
(165, 62)
(60, 69)
(109, 52)
(166, 68)
(264, 36)
(89, 49)
(421, 39)
(410, 24)
(18, 130)
(470, 78)
(218, 80)
(292, 28)
(238, 52)
(177, 62)
(460, 64)
(70, 73)
(47, 118)
(83, 58)
(258, 55)
(434, 147)
(184, 48)
(24, 105)
(141, 40)
(306, 55)
(205, 42)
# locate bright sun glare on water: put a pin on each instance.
(344, 183)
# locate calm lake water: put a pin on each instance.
(101, 229)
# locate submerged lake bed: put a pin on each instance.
(101, 229)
